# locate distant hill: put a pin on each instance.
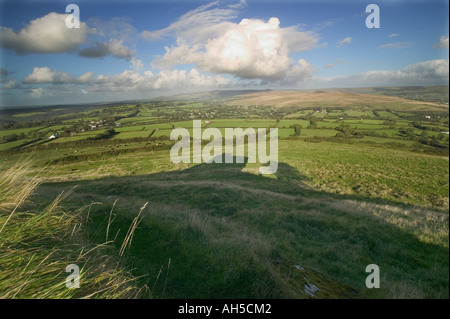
(307, 99)
(429, 96)
(435, 94)
(438, 94)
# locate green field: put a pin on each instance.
(28, 114)
(18, 131)
(371, 188)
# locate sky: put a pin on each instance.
(127, 50)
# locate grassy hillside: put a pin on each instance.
(362, 179)
(229, 233)
(305, 100)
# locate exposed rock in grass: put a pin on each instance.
(307, 283)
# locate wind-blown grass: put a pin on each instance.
(38, 243)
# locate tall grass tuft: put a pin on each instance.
(37, 244)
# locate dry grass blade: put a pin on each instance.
(129, 237)
(167, 275)
(109, 220)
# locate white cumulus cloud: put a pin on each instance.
(397, 45)
(432, 72)
(36, 93)
(47, 34)
(129, 80)
(251, 49)
(47, 75)
(345, 41)
(113, 47)
(10, 84)
(443, 43)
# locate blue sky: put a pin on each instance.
(143, 49)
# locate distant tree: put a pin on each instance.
(392, 123)
(105, 135)
(312, 124)
(297, 130)
(433, 141)
(357, 134)
(409, 133)
(10, 138)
